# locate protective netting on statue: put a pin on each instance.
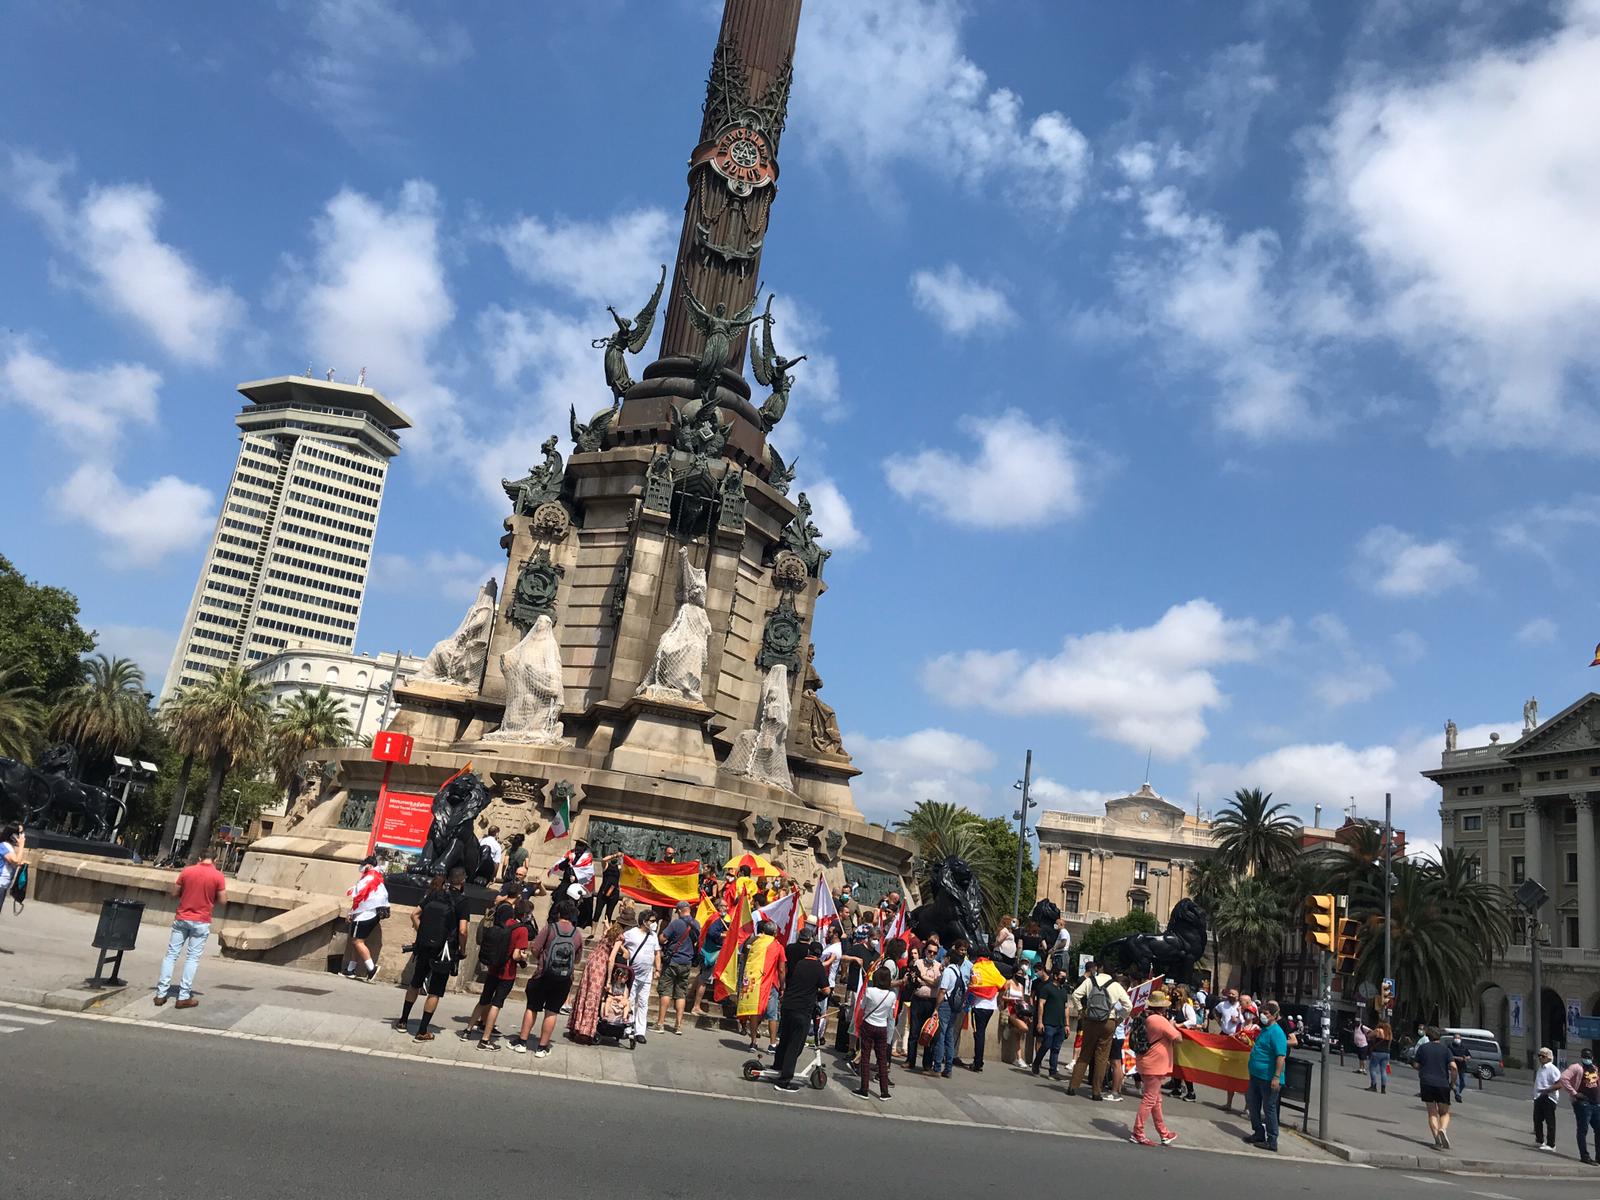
(680, 662)
(532, 670)
(762, 753)
(460, 658)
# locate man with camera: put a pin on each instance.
(440, 921)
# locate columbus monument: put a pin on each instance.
(647, 656)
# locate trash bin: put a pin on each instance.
(119, 924)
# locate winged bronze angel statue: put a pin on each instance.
(719, 330)
(629, 338)
(771, 370)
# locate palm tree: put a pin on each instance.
(107, 711)
(301, 723)
(1250, 917)
(1210, 881)
(942, 830)
(184, 721)
(232, 710)
(1255, 836)
(21, 714)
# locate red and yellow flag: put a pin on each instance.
(986, 980)
(1596, 662)
(705, 914)
(1215, 1061)
(659, 884)
(725, 973)
(760, 975)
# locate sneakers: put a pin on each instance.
(401, 1027)
(677, 1030)
(1139, 1139)
(1113, 1098)
(519, 1047)
(791, 1086)
(542, 1052)
(1548, 1149)
(372, 975)
(639, 1039)
(753, 1048)
(862, 1092)
(1444, 1140)
(1168, 1138)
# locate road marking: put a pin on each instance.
(10, 1028)
(8, 1015)
(1430, 1179)
(1494, 1196)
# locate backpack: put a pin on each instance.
(496, 948)
(1097, 1004)
(19, 888)
(560, 953)
(437, 920)
(1138, 1035)
(956, 997)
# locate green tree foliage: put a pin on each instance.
(1000, 836)
(1102, 931)
(301, 723)
(40, 637)
(232, 711)
(1251, 919)
(106, 712)
(21, 715)
(1254, 835)
(942, 830)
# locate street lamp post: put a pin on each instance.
(1021, 816)
(1388, 884)
(1160, 873)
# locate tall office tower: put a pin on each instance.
(288, 562)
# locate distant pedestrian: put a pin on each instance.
(198, 888)
(643, 956)
(369, 904)
(1378, 1043)
(1358, 1038)
(1006, 948)
(1154, 1039)
(1581, 1082)
(1546, 1086)
(554, 955)
(1050, 998)
(12, 842)
(1186, 1016)
(1461, 1053)
(879, 1004)
(1229, 1014)
(680, 947)
(1267, 1058)
(1436, 1076)
(440, 921)
(516, 855)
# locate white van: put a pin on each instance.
(1487, 1058)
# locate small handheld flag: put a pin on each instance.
(561, 822)
(1596, 662)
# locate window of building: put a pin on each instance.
(1472, 822)
(1141, 870)
(305, 672)
(1477, 789)
(361, 680)
(1519, 868)
(1461, 791)
(1517, 820)
(1569, 815)
(1594, 770)
(1508, 787)
(1572, 931)
(1561, 774)
(1074, 863)
(1474, 869)
(1136, 903)
(1070, 900)
(1572, 867)
(331, 678)
(1519, 931)
(1542, 776)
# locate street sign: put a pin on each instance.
(1367, 990)
(1584, 1029)
(392, 747)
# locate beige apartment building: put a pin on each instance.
(1135, 858)
(289, 558)
(1524, 806)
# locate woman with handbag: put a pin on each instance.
(369, 904)
(1017, 1017)
(585, 1016)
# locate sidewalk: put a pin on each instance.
(45, 953)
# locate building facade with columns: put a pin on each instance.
(1524, 806)
(1135, 858)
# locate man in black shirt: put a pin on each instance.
(807, 981)
(440, 921)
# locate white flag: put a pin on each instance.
(786, 914)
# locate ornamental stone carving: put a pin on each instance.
(550, 521)
(519, 789)
(789, 571)
(781, 636)
(535, 593)
(1491, 816)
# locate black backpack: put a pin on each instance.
(437, 920)
(1138, 1035)
(1097, 1001)
(496, 948)
(560, 953)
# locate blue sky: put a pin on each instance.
(1214, 384)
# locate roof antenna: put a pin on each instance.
(361, 379)
(1147, 767)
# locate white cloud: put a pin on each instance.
(1352, 683)
(1541, 631)
(1331, 773)
(140, 526)
(1409, 646)
(94, 403)
(1471, 193)
(615, 261)
(1058, 797)
(881, 84)
(1021, 476)
(959, 304)
(833, 515)
(1393, 563)
(930, 764)
(150, 648)
(454, 576)
(362, 48)
(111, 235)
(376, 295)
(1145, 687)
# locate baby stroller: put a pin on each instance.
(615, 1020)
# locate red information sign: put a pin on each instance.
(402, 820)
(392, 747)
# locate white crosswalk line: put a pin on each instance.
(1494, 1196)
(7, 1015)
(10, 1028)
(1430, 1179)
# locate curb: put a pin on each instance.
(1556, 1169)
(66, 999)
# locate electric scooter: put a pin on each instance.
(816, 1074)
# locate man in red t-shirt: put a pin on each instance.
(198, 888)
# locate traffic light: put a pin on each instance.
(1349, 945)
(1386, 996)
(1320, 921)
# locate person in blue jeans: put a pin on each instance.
(1267, 1058)
(198, 888)
(949, 1004)
(1581, 1081)
(1050, 998)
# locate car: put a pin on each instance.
(1486, 1062)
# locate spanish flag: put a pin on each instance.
(1596, 662)
(986, 980)
(725, 972)
(659, 884)
(1214, 1060)
(704, 915)
(760, 975)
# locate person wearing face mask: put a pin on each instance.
(924, 984)
(641, 950)
(1267, 1058)
(1582, 1083)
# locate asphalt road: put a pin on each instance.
(100, 1109)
